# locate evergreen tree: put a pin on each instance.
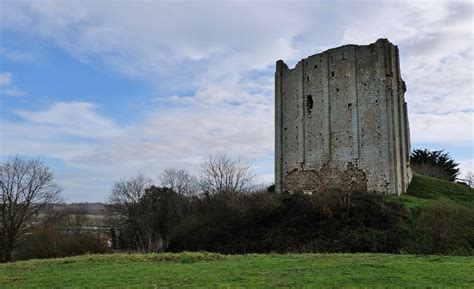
(434, 163)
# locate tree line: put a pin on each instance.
(221, 208)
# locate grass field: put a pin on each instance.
(424, 191)
(261, 270)
(250, 271)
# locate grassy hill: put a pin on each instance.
(441, 218)
(430, 189)
(424, 191)
(250, 271)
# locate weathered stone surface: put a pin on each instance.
(341, 122)
(326, 179)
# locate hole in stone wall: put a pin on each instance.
(315, 66)
(309, 103)
(307, 78)
(349, 104)
(332, 73)
(337, 89)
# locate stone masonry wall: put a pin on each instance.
(341, 122)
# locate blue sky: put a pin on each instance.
(101, 90)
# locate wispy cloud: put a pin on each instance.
(7, 86)
(20, 55)
(169, 137)
(5, 78)
(223, 55)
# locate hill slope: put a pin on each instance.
(250, 271)
(424, 191)
(427, 188)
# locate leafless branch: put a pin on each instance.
(27, 186)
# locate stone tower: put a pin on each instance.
(341, 122)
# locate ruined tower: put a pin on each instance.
(341, 122)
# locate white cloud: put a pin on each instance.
(6, 85)
(225, 53)
(5, 78)
(63, 131)
(182, 41)
(169, 137)
(457, 128)
(78, 119)
(13, 92)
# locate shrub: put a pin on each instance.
(48, 242)
(293, 223)
(446, 228)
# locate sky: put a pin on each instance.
(102, 90)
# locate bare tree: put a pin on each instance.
(469, 178)
(27, 187)
(128, 192)
(178, 180)
(124, 202)
(221, 173)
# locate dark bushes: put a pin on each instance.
(49, 242)
(264, 222)
(445, 228)
(146, 224)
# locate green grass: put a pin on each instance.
(424, 191)
(250, 271)
(261, 270)
(423, 187)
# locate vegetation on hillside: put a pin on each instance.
(429, 189)
(204, 270)
(435, 217)
(220, 211)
